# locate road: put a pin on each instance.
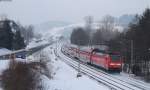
(25, 52)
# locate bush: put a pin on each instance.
(20, 76)
(147, 77)
(136, 70)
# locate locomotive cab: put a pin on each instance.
(115, 62)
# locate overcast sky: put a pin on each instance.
(38, 11)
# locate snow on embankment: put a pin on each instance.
(37, 43)
(4, 51)
(4, 63)
(65, 77)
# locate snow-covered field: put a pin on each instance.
(35, 44)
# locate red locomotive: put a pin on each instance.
(108, 61)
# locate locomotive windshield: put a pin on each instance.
(100, 53)
(115, 57)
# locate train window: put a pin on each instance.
(99, 53)
(115, 57)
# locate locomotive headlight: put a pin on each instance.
(112, 64)
(118, 64)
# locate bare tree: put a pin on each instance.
(27, 32)
(88, 24)
(107, 25)
(107, 22)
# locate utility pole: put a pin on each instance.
(88, 27)
(79, 66)
(131, 63)
(147, 2)
(56, 46)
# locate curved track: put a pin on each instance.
(132, 82)
(100, 76)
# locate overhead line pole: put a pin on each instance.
(79, 63)
(131, 63)
(147, 4)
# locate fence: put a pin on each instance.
(140, 66)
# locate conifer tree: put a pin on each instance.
(6, 35)
(18, 42)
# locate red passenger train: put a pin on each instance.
(100, 58)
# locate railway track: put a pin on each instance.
(89, 74)
(131, 82)
(112, 83)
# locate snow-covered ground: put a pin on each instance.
(3, 65)
(4, 51)
(35, 44)
(65, 77)
(132, 79)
